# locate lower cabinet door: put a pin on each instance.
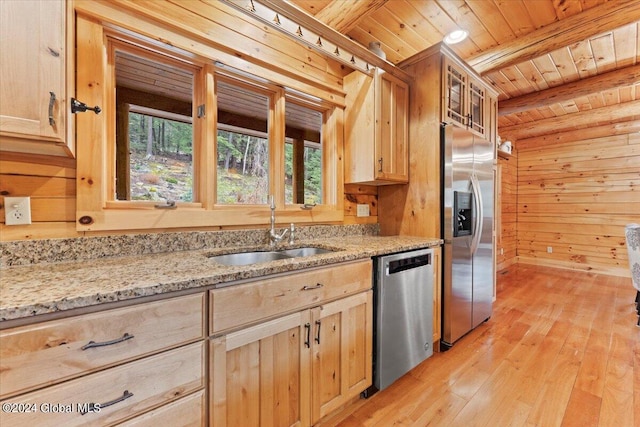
(342, 352)
(112, 395)
(259, 375)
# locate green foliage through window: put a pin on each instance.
(243, 168)
(160, 158)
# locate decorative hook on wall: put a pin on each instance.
(269, 12)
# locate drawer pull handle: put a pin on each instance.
(310, 288)
(92, 344)
(317, 339)
(98, 406)
(307, 341)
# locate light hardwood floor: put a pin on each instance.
(561, 349)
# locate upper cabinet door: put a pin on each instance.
(32, 64)
(376, 129)
(477, 107)
(392, 141)
(466, 99)
(341, 343)
(456, 93)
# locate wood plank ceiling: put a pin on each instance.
(558, 65)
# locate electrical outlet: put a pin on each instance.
(549, 250)
(362, 210)
(17, 210)
(501, 251)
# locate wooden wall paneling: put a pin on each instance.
(49, 209)
(37, 186)
(575, 198)
(355, 194)
(37, 165)
(52, 188)
(38, 231)
(506, 245)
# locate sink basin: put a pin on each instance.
(300, 252)
(255, 257)
(246, 258)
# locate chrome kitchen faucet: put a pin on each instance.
(274, 237)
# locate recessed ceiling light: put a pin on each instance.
(455, 36)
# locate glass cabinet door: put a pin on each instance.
(455, 94)
(476, 105)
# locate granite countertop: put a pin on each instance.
(37, 289)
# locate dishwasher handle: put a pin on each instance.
(408, 263)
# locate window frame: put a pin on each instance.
(114, 43)
(96, 210)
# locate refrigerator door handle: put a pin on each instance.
(479, 219)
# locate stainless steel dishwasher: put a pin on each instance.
(403, 321)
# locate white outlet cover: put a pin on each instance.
(362, 210)
(17, 210)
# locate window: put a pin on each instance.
(154, 132)
(242, 143)
(186, 141)
(303, 154)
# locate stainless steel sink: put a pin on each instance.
(246, 258)
(255, 257)
(309, 251)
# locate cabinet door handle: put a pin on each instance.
(310, 288)
(52, 101)
(92, 344)
(380, 163)
(307, 341)
(317, 338)
(98, 406)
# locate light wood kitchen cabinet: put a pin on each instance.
(260, 375)
(466, 101)
(50, 352)
(342, 352)
(33, 65)
(114, 394)
(376, 129)
(235, 306)
(129, 360)
(293, 369)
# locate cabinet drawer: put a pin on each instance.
(185, 412)
(46, 353)
(239, 305)
(131, 389)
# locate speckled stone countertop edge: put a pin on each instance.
(33, 290)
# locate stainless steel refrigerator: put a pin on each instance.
(468, 231)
